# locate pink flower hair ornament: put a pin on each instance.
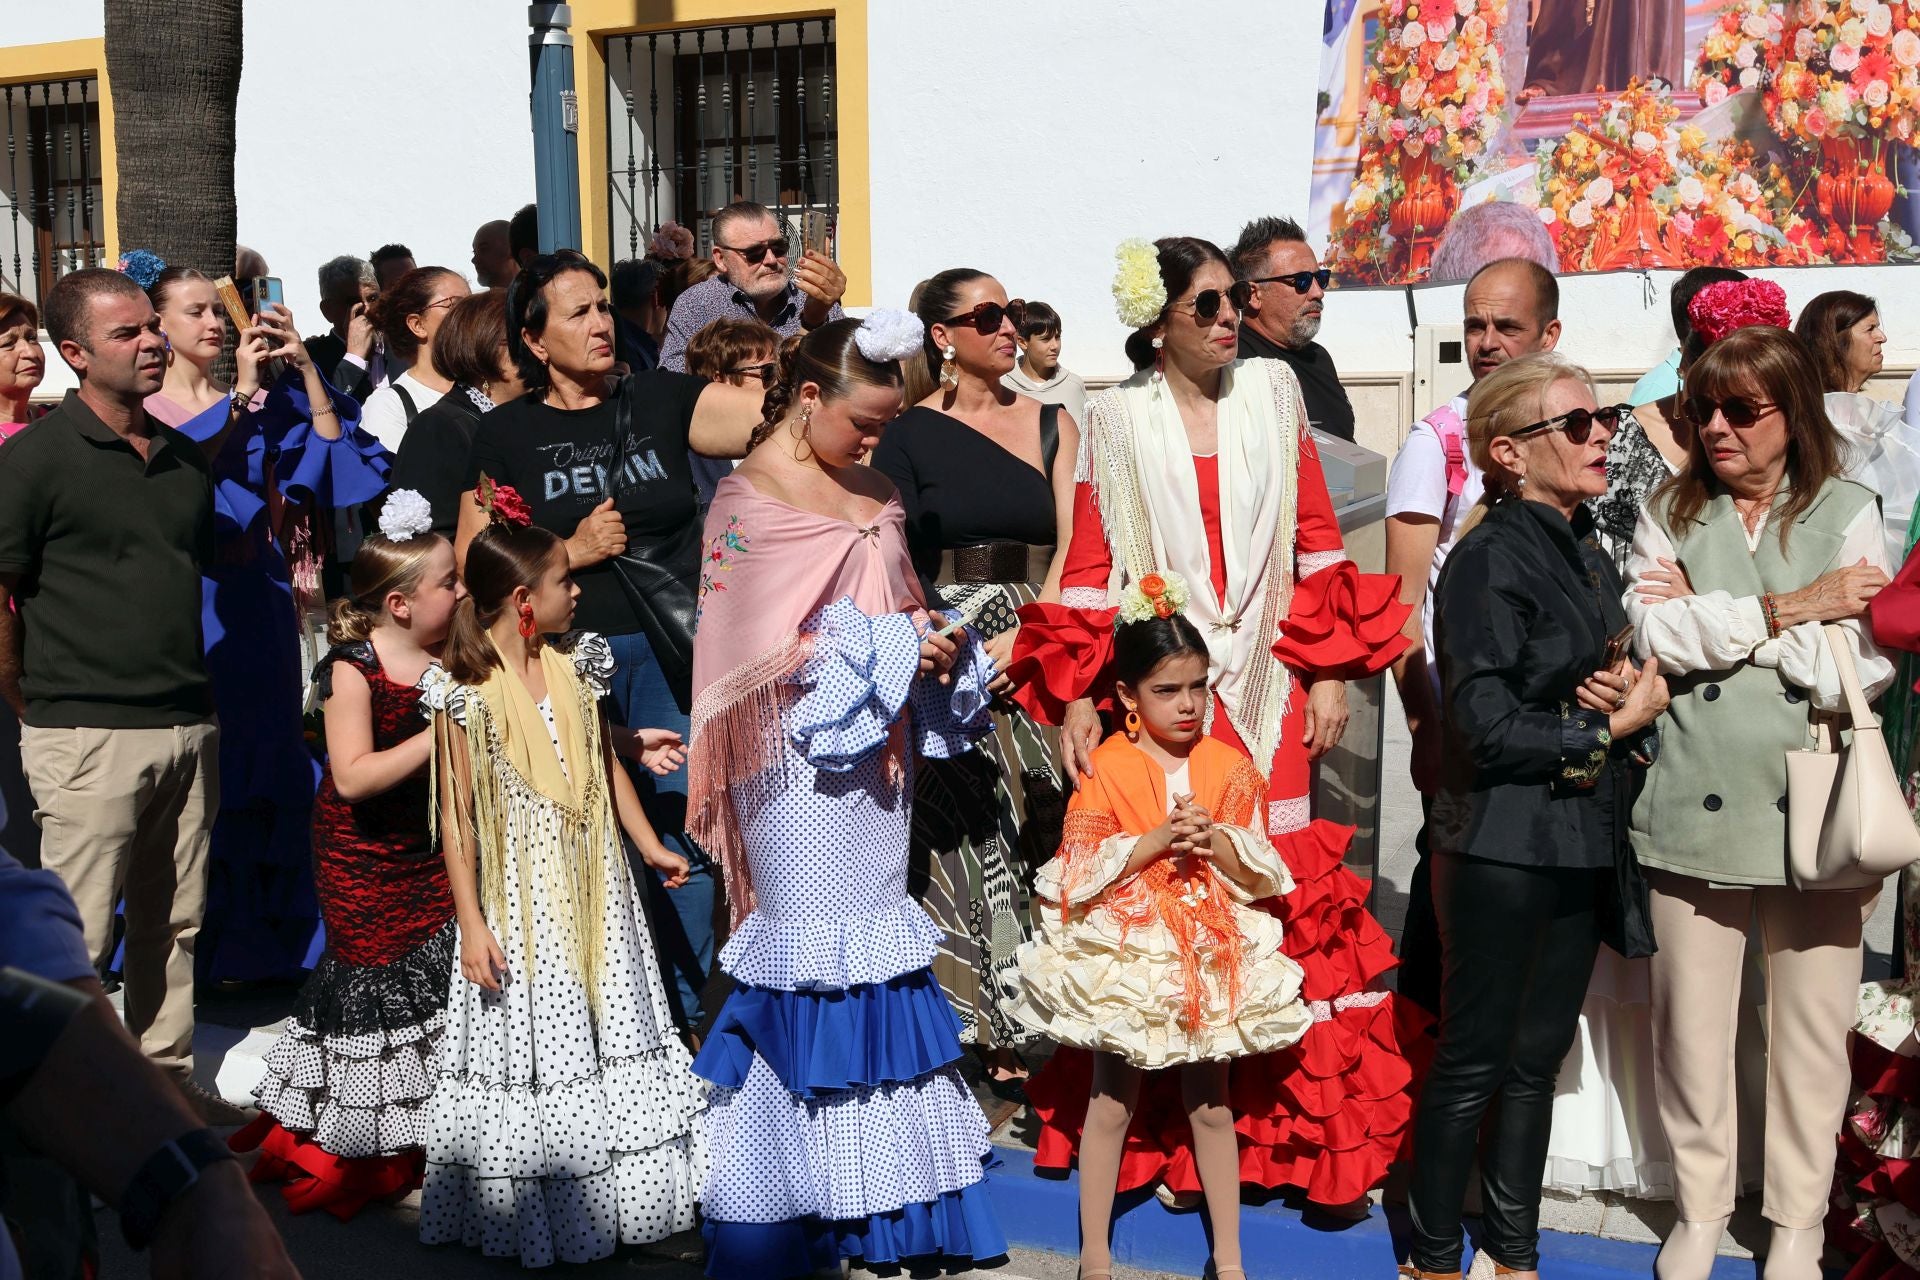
(1720, 308)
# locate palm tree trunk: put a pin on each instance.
(175, 70)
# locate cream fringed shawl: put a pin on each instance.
(517, 781)
(767, 567)
(1134, 450)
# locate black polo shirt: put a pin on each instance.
(108, 550)
(1328, 408)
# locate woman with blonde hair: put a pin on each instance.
(1545, 723)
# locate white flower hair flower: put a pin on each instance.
(1139, 294)
(1156, 595)
(405, 516)
(887, 335)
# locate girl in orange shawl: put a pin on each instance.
(1149, 952)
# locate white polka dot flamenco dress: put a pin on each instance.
(838, 1125)
(562, 1126)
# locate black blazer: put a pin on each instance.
(1522, 614)
(329, 352)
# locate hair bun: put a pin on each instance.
(887, 335)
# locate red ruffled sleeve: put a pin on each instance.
(1059, 656)
(1344, 624)
(1896, 610)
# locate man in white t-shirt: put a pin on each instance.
(1511, 309)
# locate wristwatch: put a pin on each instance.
(168, 1174)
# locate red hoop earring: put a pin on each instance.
(1133, 724)
(527, 624)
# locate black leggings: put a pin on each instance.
(1518, 945)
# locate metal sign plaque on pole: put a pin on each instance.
(556, 126)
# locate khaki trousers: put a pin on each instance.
(129, 812)
(1811, 941)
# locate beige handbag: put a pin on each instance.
(1848, 826)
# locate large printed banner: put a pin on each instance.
(1640, 133)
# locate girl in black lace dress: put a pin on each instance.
(344, 1103)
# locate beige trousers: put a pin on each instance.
(1811, 942)
(129, 812)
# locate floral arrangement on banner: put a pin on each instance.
(1435, 99)
(1626, 188)
(1734, 53)
(1845, 68)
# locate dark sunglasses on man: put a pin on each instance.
(753, 253)
(1737, 410)
(765, 372)
(1299, 281)
(987, 316)
(1206, 303)
(1578, 423)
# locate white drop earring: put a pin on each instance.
(1159, 359)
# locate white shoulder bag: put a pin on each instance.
(1848, 826)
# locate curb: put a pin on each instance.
(1041, 1211)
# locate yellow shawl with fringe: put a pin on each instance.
(517, 779)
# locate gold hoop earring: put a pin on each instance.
(949, 371)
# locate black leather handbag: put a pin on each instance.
(659, 575)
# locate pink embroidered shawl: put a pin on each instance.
(766, 568)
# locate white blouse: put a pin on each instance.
(1715, 631)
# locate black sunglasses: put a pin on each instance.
(765, 372)
(1206, 303)
(753, 253)
(1578, 423)
(1737, 410)
(1299, 281)
(988, 316)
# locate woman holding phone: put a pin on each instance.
(280, 448)
(1546, 724)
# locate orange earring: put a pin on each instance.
(1133, 724)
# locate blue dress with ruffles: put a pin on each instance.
(839, 1126)
(262, 919)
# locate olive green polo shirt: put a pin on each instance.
(108, 549)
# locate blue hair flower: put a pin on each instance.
(142, 266)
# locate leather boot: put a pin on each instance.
(1794, 1254)
(1690, 1250)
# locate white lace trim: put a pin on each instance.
(1083, 598)
(1314, 561)
(1287, 816)
(1323, 1010)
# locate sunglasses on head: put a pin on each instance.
(753, 253)
(766, 372)
(1578, 423)
(1206, 303)
(987, 317)
(1299, 281)
(1737, 410)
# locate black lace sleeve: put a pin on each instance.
(358, 652)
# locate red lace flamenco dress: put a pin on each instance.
(344, 1105)
(1330, 1114)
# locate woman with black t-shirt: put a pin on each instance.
(557, 446)
(986, 477)
(470, 351)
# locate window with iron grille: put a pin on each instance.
(704, 116)
(51, 183)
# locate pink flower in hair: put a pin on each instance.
(1720, 308)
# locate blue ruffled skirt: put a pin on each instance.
(840, 1129)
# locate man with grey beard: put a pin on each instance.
(1283, 316)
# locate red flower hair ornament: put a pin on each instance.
(502, 503)
(1726, 305)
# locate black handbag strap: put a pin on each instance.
(406, 403)
(1049, 437)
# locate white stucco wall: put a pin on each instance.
(1021, 138)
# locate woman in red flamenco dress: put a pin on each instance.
(1200, 464)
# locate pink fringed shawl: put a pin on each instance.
(766, 567)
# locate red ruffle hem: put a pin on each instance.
(1329, 1115)
(317, 1180)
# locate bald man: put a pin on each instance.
(493, 264)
